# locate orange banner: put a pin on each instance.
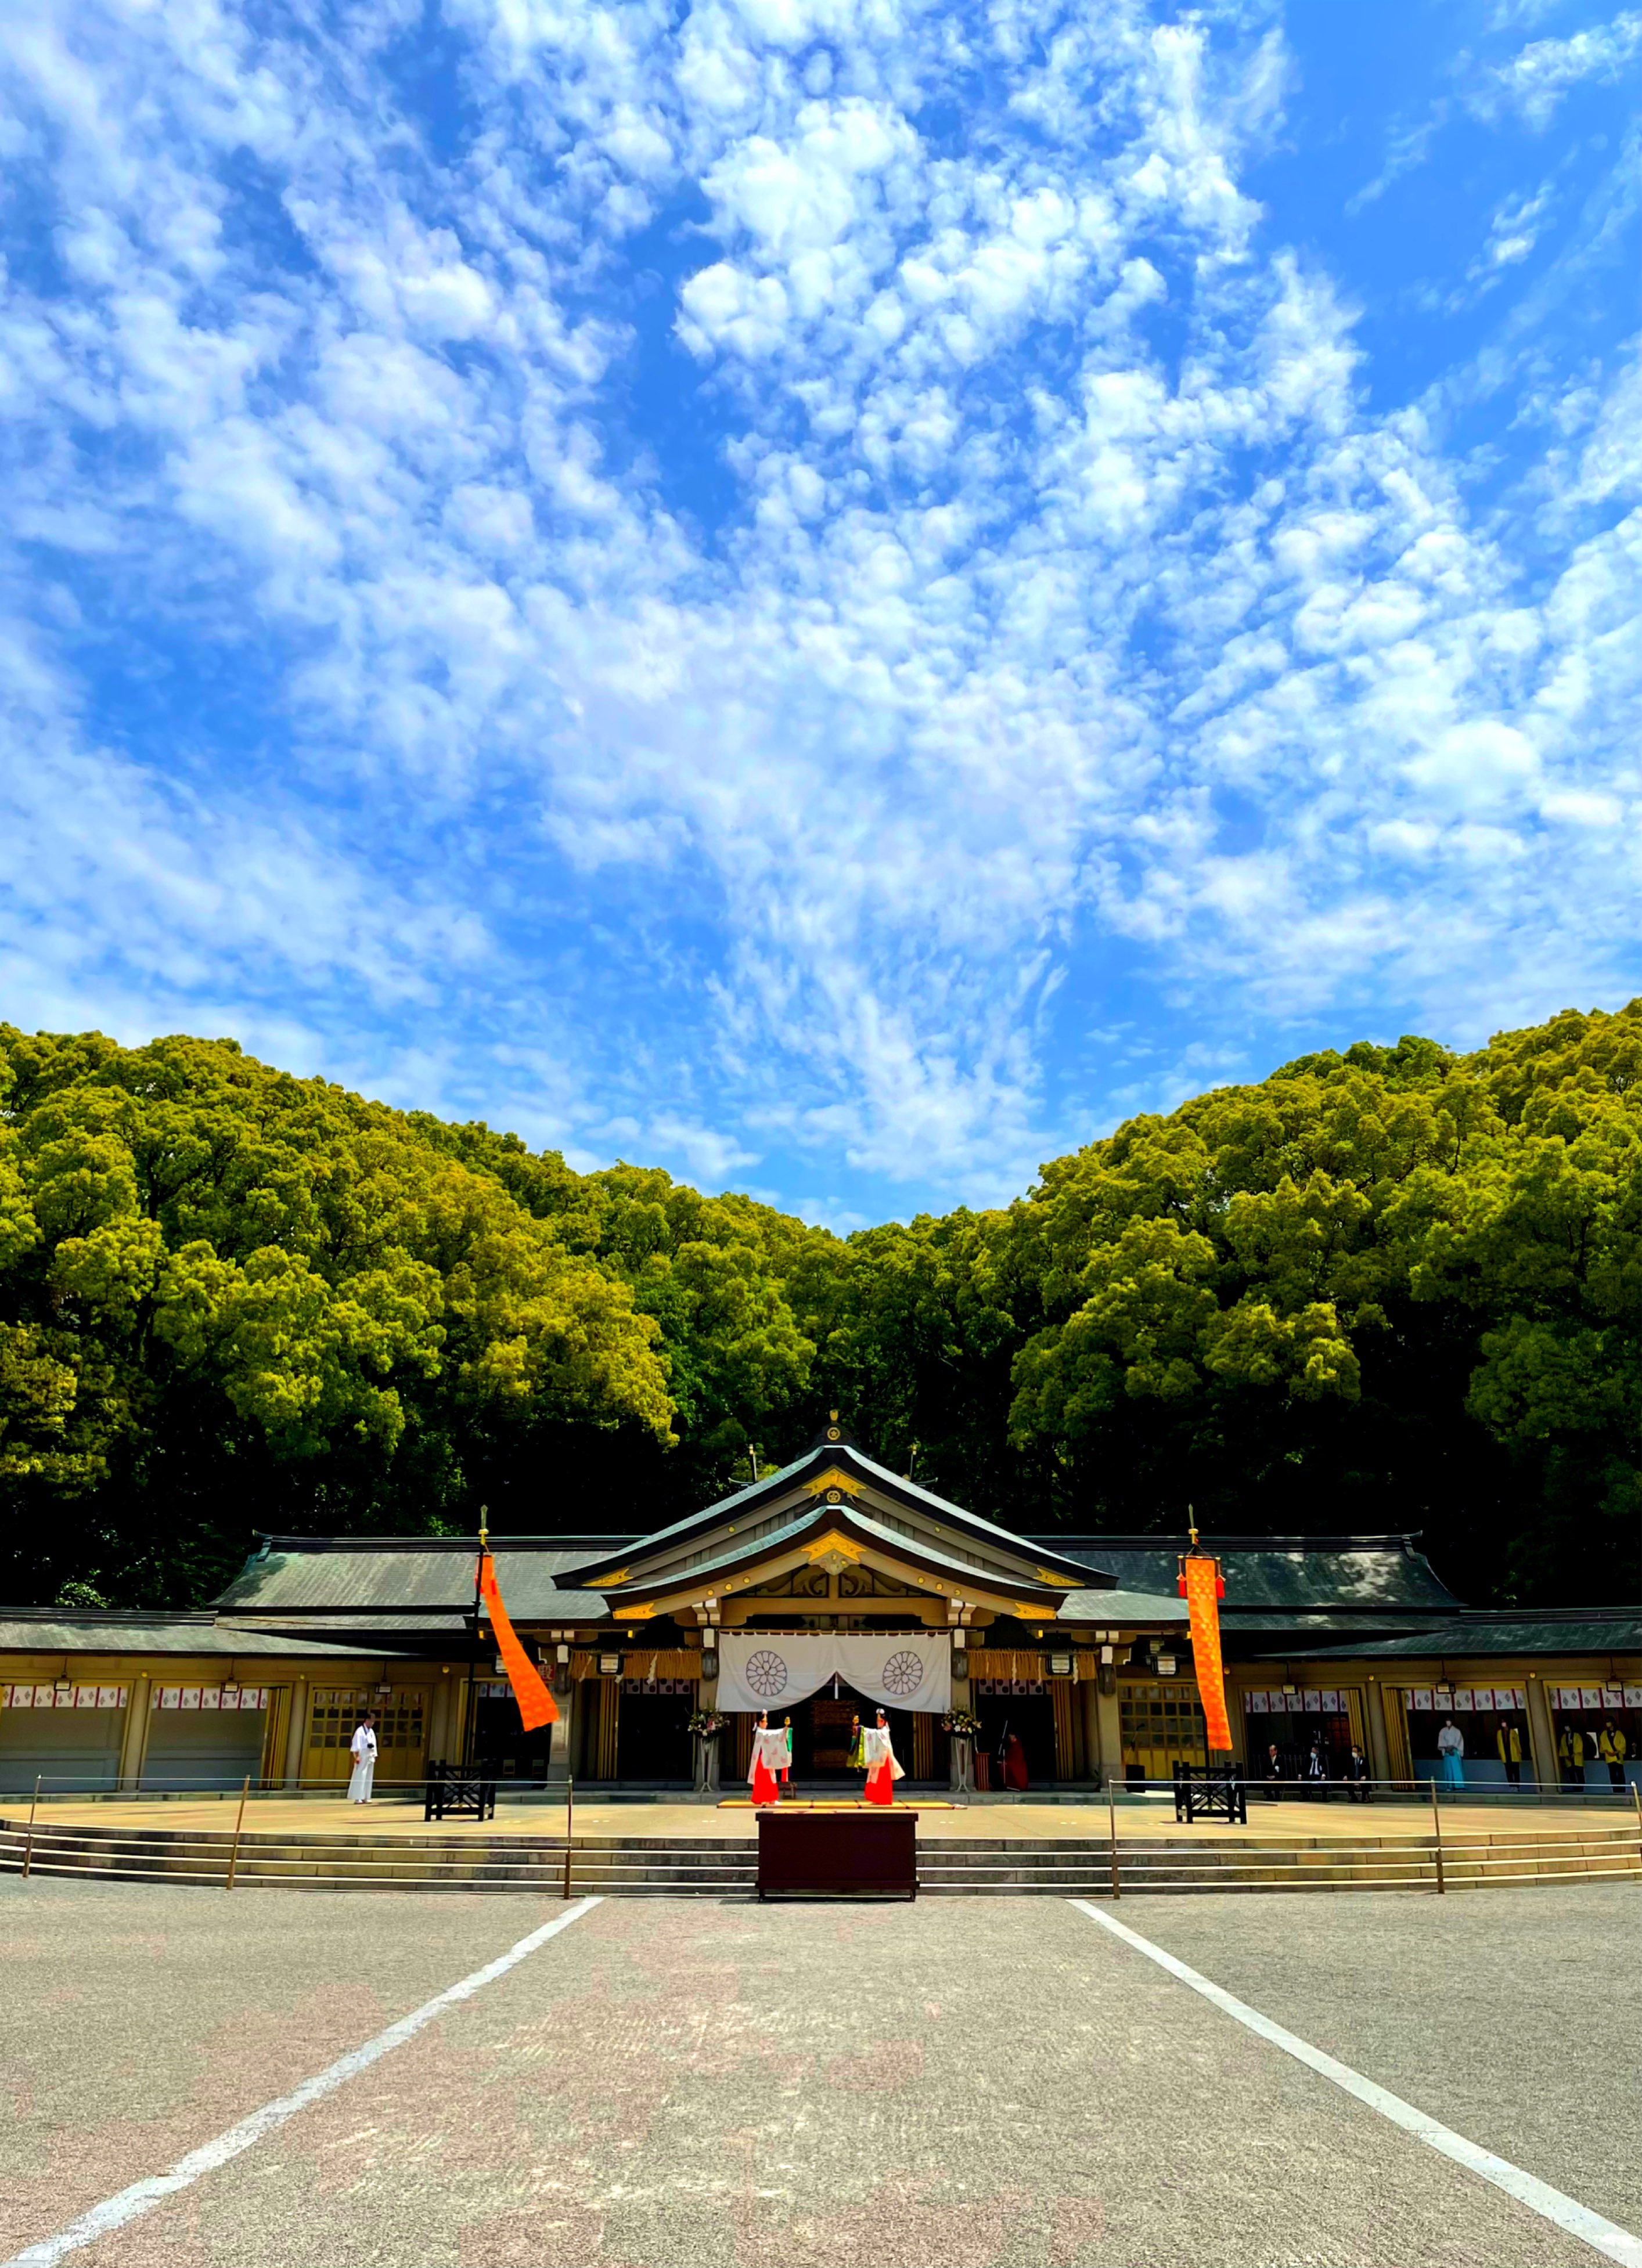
(536, 1703)
(1203, 1583)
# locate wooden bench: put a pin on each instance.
(453, 1793)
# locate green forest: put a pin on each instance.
(1390, 1288)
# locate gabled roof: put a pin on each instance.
(52, 1629)
(1107, 1610)
(1575, 1630)
(816, 1521)
(816, 1460)
(369, 1577)
(1356, 1574)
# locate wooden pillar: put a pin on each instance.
(441, 1711)
(1378, 1745)
(1065, 1751)
(274, 1732)
(134, 1733)
(923, 1746)
(1542, 1732)
(561, 1751)
(1111, 1736)
(609, 1726)
(1399, 1756)
(297, 1732)
(1089, 1707)
(1237, 1723)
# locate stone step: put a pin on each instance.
(650, 1866)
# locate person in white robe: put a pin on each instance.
(883, 1767)
(362, 1748)
(768, 1758)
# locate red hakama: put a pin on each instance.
(882, 1770)
(769, 1754)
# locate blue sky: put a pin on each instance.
(834, 594)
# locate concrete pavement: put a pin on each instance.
(678, 2085)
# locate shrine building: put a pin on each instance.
(819, 1592)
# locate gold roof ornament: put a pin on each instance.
(833, 1483)
(832, 1546)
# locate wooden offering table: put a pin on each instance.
(838, 1854)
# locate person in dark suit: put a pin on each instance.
(1275, 1774)
(1356, 1775)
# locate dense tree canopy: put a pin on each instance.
(1395, 1287)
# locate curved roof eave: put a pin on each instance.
(819, 1519)
(848, 1457)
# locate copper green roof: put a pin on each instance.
(376, 1576)
(53, 1631)
(1106, 1609)
(1618, 1631)
(812, 1519)
(1371, 1575)
(849, 1458)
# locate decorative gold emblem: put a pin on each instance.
(642, 1614)
(1055, 1582)
(620, 1576)
(833, 1550)
(832, 1483)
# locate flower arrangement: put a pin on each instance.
(705, 1722)
(963, 1725)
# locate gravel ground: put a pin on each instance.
(980, 2084)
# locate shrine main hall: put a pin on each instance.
(820, 1592)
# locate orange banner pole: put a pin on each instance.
(1201, 1582)
(536, 1704)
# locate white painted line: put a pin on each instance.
(143, 2197)
(1567, 2213)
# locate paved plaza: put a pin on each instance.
(733, 1819)
(979, 2084)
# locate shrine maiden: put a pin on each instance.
(882, 1768)
(770, 1756)
(362, 1748)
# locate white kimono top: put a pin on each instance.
(362, 1748)
(770, 1744)
(876, 1750)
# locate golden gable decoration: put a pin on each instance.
(832, 1478)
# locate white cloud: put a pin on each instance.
(1065, 529)
(1538, 77)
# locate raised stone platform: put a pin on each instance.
(684, 1849)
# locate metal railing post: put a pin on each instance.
(28, 1840)
(1111, 1813)
(570, 1828)
(1436, 1821)
(233, 1855)
(1636, 1797)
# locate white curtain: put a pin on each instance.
(902, 1669)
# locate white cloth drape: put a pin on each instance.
(899, 1669)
